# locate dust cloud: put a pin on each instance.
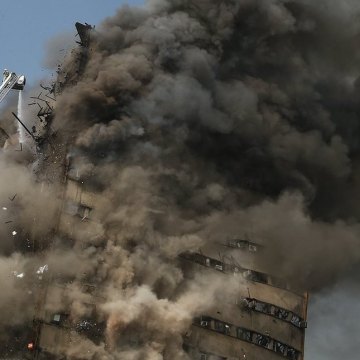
(193, 121)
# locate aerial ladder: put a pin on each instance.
(11, 81)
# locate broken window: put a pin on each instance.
(303, 324)
(236, 243)
(255, 276)
(247, 303)
(222, 327)
(292, 354)
(244, 334)
(262, 340)
(232, 243)
(219, 267)
(262, 307)
(279, 347)
(295, 320)
(281, 313)
(252, 248)
(205, 321)
(243, 245)
(265, 308)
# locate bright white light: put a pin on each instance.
(42, 269)
(14, 233)
(16, 274)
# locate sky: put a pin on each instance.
(28, 27)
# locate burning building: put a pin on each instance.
(177, 188)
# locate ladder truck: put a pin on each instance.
(11, 81)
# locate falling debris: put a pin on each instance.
(18, 275)
(42, 269)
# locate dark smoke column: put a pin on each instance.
(207, 181)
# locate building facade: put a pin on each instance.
(265, 319)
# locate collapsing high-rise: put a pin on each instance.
(188, 150)
(263, 318)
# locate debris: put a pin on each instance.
(84, 325)
(4, 208)
(13, 198)
(57, 318)
(14, 233)
(42, 269)
(20, 276)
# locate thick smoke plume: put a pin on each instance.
(196, 121)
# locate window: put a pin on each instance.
(281, 314)
(262, 340)
(272, 310)
(255, 276)
(292, 354)
(222, 327)
(295, 320)
(244, 334)
(232, 243)
(280, 348)
(262, 307)
(252, 248)
(205, 321)
(219, 267)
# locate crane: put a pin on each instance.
(11, 81)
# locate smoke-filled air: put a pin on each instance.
(188, 122)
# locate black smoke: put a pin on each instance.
(193, 121)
